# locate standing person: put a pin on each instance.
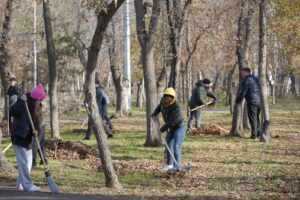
(21, 135)
(198, 98)
(171, 113)
(102, 103)
(35, 106)
(13, 88)
(251, 91)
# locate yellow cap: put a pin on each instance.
(170, 91)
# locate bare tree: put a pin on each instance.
(262, 67)
(116, 71)
(4, 52)
(146, 37)
(4, 70)
(103, 18)
(176, 11)
(243, 34)
(54, 119)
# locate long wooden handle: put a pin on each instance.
(171, 153)
(202, 106)
(6, 148)
(36, 138)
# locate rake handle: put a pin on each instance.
(202, 106)
(37, 140)
(170, 152)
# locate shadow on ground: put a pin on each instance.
(10, 193)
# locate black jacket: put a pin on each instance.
(171, 115)
(21, 130)
(250, 90)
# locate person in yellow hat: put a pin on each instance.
(174, 127)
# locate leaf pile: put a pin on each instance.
(69, 150)
(210, 129)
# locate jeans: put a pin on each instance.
(253, 115)
(24, 162)
(195, 115)
(174, 140)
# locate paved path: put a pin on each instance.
(9, 193)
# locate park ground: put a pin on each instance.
(222, 167)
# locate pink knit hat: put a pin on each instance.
(38, 93)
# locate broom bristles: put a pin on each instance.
(52, 185)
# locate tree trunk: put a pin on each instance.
(176, 15)
(243, 33)
(54, 118)
(4, 54)
(116, 73)
(4, 59)
(246, 123)
(293, 85)
(262, 67)
(146, 40)
(140, 94)
(103, 18)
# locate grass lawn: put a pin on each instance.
(221, 166)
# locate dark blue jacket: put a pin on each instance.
(250, 90)
(21, 131)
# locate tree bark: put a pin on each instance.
(51, 52)
(262, 67)
(243, 33)
(4, 52)
(146, 40)
(176, 11)
(103, 18)
(116, 72)
(140, 94)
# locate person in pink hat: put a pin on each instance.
(35, 98)
(22, 133)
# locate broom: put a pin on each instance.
(51, 184)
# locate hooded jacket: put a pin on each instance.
(199, 94)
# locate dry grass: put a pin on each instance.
(222, 166)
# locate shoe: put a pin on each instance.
(34, 188)
(20, 187)
(168, 167)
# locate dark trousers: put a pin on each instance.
(106, 124)
(253, 115)
(194, 115)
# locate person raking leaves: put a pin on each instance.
(174, 126)
(198, 98)
(22, 134)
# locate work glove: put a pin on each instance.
(163, 128)
(12, 100)
(23, 97)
